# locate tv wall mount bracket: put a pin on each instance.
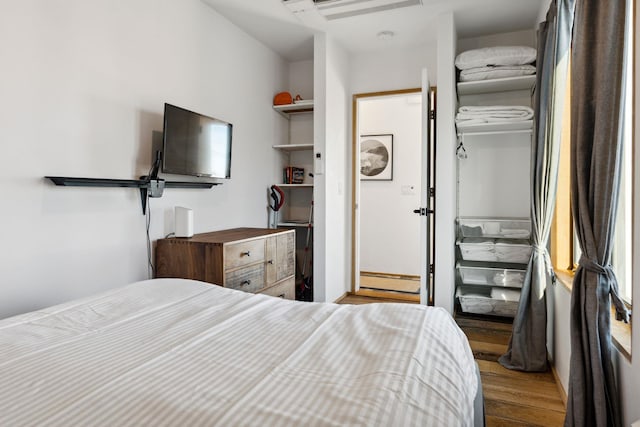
(149, 185)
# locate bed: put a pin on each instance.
(179, 352)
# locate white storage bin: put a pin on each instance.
(479, 301)
(490, 275)
(495, 250)
(505, 228)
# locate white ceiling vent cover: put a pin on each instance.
(339, 9)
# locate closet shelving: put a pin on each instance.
(293, 147)
(295, 212)
(496, 85)
(493, 246)
(525, 126)
(299, 107)
(295, 185)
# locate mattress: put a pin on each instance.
(176, 352)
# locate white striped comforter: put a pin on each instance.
(174, 352)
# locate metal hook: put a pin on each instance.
(461, 152)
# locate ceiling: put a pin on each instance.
(273, 23)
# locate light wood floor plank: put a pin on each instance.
(359, 299)
(486, 350)
(390, 283)
(488, 367)
(523, 414)
(534, 400)
(493, 421)
(464, 322)
(493, 336)
(397, 296)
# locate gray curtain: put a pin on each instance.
(527, 350)
(597, 82)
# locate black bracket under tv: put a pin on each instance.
(148, 187)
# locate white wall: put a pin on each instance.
(390, 70)
(387, 70)
(301, 79)
(445, 182)
(389, 230)
(331, 139)
(561, 349)
(83, 86)
(516, 38)
(542, 14)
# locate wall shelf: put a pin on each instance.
(144, 184)
(293, 223)
(290, 109)
(295, 185)
(293, 147)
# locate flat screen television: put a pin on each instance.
(195, 144)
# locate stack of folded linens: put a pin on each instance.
(496, 62)
(472, 115)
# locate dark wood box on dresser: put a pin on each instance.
(257, 260)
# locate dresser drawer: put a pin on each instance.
(243, 253)
(286, 290)
(286, 247)
(245, 259)
(250, 279)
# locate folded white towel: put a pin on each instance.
(499, 72)
(493, 113)
(494, 109)
(505, 294)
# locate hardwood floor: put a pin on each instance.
(390, 282)
(512, 398)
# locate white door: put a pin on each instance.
(403, 246)
(426, 196)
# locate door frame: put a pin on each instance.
(355, 196)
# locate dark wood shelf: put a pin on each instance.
(143, 184)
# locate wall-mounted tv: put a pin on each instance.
(195, 144)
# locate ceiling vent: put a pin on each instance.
(339, 9)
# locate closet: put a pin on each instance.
(296, 181)
(493, 197)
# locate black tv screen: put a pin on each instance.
(195, 144)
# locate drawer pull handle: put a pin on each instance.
(248, 253)
(245, 282)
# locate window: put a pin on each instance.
(564, 244)
(565, 250)
(621, 254)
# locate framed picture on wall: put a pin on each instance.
(376, 157)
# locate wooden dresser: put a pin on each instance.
(254, 260)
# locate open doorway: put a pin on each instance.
(388, 184)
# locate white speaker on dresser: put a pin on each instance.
(183, 222)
